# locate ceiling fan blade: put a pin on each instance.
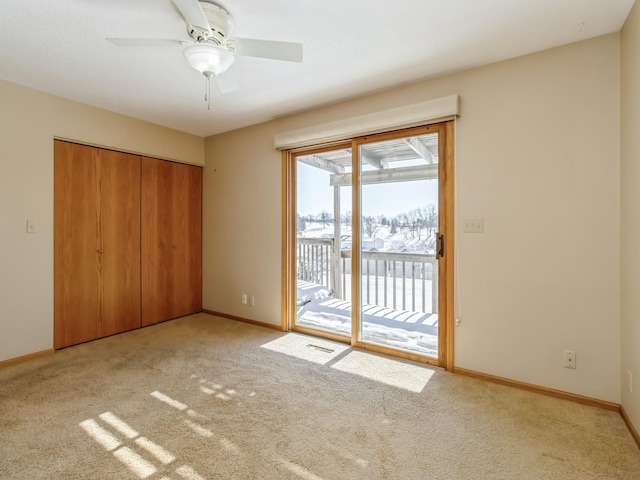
(227, 82)
(287, 51)
(143, 42)
(192, 13)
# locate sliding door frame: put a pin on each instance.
(289, 159)
(446, 314)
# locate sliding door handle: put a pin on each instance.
(440, 246)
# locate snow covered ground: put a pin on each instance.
(415, 332)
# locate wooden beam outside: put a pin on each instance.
(372, 160)
(400, 174)
(322, 163)
(420, 149)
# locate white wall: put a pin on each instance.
(537, 158)
(29, 120)
(630, 213)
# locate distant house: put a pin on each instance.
(371, 243)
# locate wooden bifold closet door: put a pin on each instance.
(171, 240)
(127, 242)
(96, 243)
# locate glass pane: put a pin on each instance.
(399, 284)
(323, 245)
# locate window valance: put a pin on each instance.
(430, 111)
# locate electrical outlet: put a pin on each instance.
(244, 298)
(630, 381)
(569, 359)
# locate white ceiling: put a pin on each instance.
(351, 48)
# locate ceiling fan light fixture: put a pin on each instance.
(208, 59)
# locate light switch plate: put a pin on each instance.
(473, 225)
(31, 226)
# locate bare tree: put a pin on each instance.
(346, 218)
(422, 220)
(369, 224)
(324, 218)
(415, 222)
(431, 219)
(404, 223)
(394, 226)
(301, 224)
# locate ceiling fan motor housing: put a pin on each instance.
(220, 22)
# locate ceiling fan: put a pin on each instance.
(210, 49)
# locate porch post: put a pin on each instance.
(335, 252)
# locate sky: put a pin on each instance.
(390, 199)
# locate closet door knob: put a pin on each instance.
(98, 251)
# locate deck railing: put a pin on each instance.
(314, 261)
(398, 280)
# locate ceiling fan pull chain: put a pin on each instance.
(207, 89)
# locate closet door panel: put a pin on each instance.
(120, 232)
(171, 240)
(76, 244)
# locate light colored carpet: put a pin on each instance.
(208, 398)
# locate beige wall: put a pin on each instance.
(630, 213)
(29, 120)
(537, 158)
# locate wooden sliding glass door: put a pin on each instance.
(369, 244)
(323, 238)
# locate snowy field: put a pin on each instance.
(400, 241)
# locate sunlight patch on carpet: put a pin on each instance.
(385, 370)
(135, 462)
(169, 401)
(298, 346)
(199, 429)
(156, 450)
(118, 424)
(299, 470)
(215, 389)
(361, 462)
(100, 435)
(229, 445)
(189, 473)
